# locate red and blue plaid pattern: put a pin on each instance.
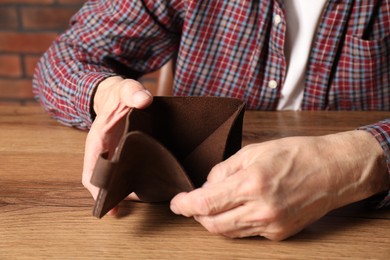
(225, 48)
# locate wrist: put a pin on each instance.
(360, 169)
(380, 178)
(99, 96)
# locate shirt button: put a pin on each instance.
(272, 84)
(277, 20)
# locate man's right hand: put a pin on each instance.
(113, 99)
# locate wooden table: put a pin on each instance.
(45, 213)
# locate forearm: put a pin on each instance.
(100, 44)
(65, 86)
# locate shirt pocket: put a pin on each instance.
(361, 79)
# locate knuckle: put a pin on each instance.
(245, 149)
(266, 216)
(204, 204)
(215, 173)
(85, 183)
(253, 185)
(272, 215)
(86, 180)
(212, 227)
(274, 221)
(129, 86)
(133, 84)
(277, 235)
(231, 235)
(272, 237)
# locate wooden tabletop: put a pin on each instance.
(45, 213)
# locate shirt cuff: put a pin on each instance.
(381, 131)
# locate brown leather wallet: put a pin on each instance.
(168, 148)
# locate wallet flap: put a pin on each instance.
(143, 166)
(182, 123)
(102, 173)
(217, 147)
(160, 176)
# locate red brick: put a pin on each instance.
(21, 102)
(30, 62)
(8, 18)
(47, 17)
(25, 42)
(26, 1)
(10, 66)
(72, 2)
(15, 89)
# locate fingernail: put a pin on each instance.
(141, 96)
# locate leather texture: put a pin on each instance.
(168, 148)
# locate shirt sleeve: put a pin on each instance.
(381, 131)
(105, 38)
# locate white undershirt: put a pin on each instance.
(302, 17)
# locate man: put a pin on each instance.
(309, 55)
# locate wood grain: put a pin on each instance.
(45, 213)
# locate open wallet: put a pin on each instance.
(168, 148)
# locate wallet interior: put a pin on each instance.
(168, 148)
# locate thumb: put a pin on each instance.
(134, 94)
(141, 98)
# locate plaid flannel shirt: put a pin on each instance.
(224, 48)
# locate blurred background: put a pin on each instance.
(27, 27)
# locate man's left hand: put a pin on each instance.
(276, 188)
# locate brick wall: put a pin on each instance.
(27, 27)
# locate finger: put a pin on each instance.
(93, 147)
(86, 180)
(113, 211)
(211, 199)
(132, 196)
(245, 220)
(245, 232)
(134, 94)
